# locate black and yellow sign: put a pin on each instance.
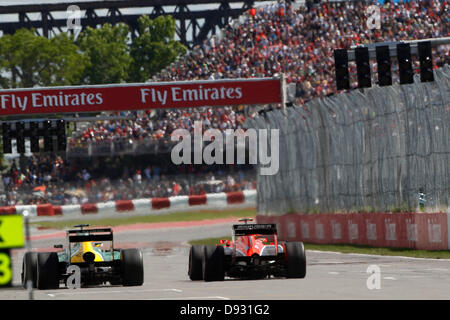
(5, 268)
(11, 231)
(11, 236)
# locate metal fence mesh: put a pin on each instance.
(370, 151)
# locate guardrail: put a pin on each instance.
(239, 199)
(426, 231)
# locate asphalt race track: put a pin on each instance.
(329, 275)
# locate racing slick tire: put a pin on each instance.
(213, 263)
(195, 271)
(296, 260)
(29, 269)
(47, 270)
(132, 267)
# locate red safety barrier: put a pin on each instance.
(432, 231)
(235, 197)
(197, 200)
(7, 210)
(246, 198)
(402, 230)
(160, 203)
(124, 205)
(45, 210)
(340, 228)
(89, 208)
(57, 210)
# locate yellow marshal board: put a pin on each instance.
(5, 268)
(11, 231)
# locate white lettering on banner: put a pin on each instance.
(305, 230)
(371, 231)
(336, 230)
(320, 234)
(195, 94)
(176, 93)
(156, 95)
(390, 230)
(36, 97)
(23, 105)
(11, 101)
(352, 230)
(50, 101)
(39, 100)
(291, 230)
(4, 98)
(411, 230)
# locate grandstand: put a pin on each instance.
(273, 39)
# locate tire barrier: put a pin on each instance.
(239, 199)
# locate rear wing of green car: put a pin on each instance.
(99, 234)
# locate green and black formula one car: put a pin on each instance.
(92, 251)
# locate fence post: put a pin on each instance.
(283, 92)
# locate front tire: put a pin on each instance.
(132, 267)
(29, 269)
(195, 271)
(47, 270)
(296, 260)
(212, 263)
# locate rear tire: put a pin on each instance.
(132, 267)
(212, 263)
(47, 270)
(296, 260)
(29, 269)
(195, 271)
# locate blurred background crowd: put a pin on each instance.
(50, 179)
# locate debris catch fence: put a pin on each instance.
(362, 151)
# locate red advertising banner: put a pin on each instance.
(140, 96)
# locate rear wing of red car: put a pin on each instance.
(99, 234)
(248, 229)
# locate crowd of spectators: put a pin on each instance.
(280, 38)
(148, 125)
(299, 42)
(49, 179)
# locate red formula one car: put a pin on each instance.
(253, 253)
